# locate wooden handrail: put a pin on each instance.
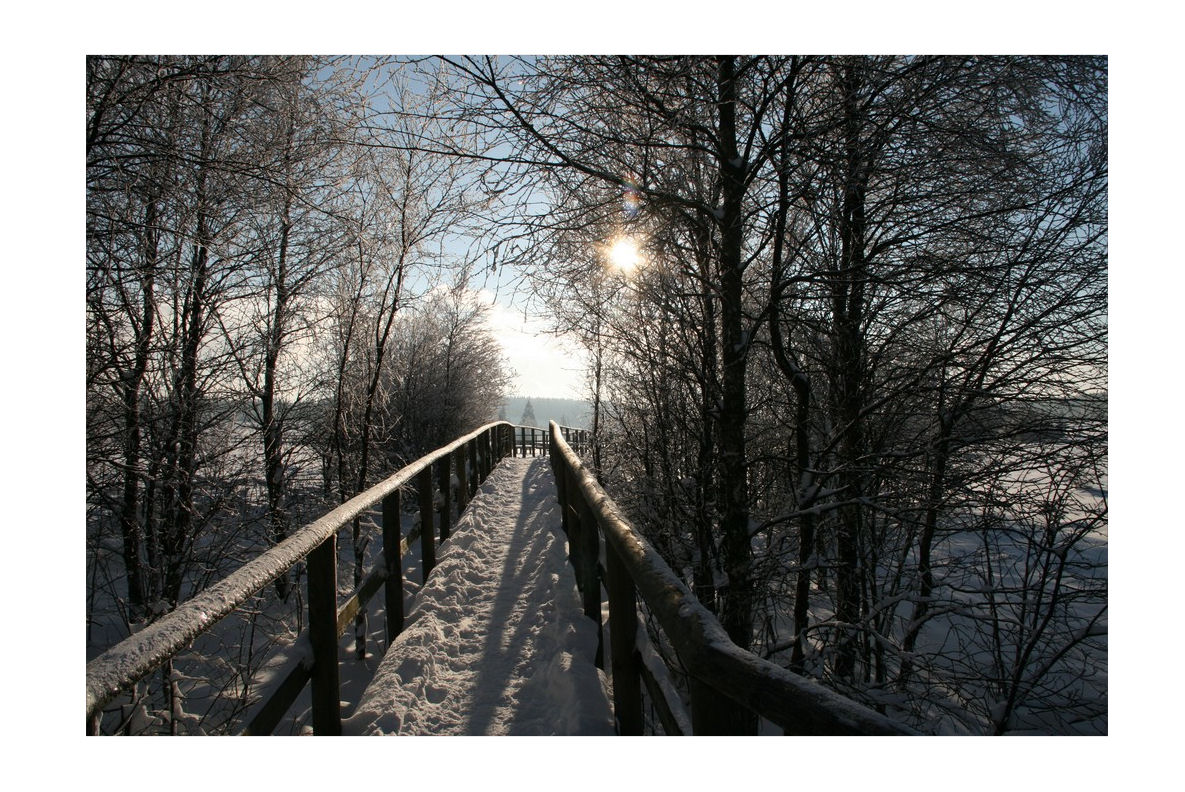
(726, 681)
(138, 655)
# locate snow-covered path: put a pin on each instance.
(496, 642)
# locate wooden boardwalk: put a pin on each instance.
(496, 641)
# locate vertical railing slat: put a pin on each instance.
(623, 638)
(321, 576)
(715, 714)
(393, 559)
(472, 454)
(483, 457)
(443, 481)
(459, 469)
(427, 531)
(590, 551)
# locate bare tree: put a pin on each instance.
(445, 375)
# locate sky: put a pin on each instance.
(545, 366)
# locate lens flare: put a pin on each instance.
(631, 201)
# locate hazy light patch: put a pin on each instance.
(624, 255)
(544, 365)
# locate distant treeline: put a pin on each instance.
(1038, 419)
(566, 412)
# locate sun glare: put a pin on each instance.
(624, 255)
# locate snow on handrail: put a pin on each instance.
(144, 651)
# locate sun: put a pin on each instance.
(624, 255)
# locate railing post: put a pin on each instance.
(462, 489)
(522, 433)
(623, 637)
(480, 450)
(560, 471)
(479, 446)
(392, 558)
(713, 713)
(321, 571)
(473, 481)
(590, 552)
(443, 480)
(427, 533)
(571, 521)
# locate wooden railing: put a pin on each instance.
(470, 458)
(727, 685)
(533, 441)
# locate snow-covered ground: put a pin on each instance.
(496, 642)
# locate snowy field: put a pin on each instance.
(496, 642)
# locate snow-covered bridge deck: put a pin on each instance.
(495, 642)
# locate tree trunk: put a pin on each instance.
(129, 517)
(178, 529)
(706, 493)
(273, 439)
(737, 607)
(848, 306)
(921, 606)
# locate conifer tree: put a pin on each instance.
(528, 418)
